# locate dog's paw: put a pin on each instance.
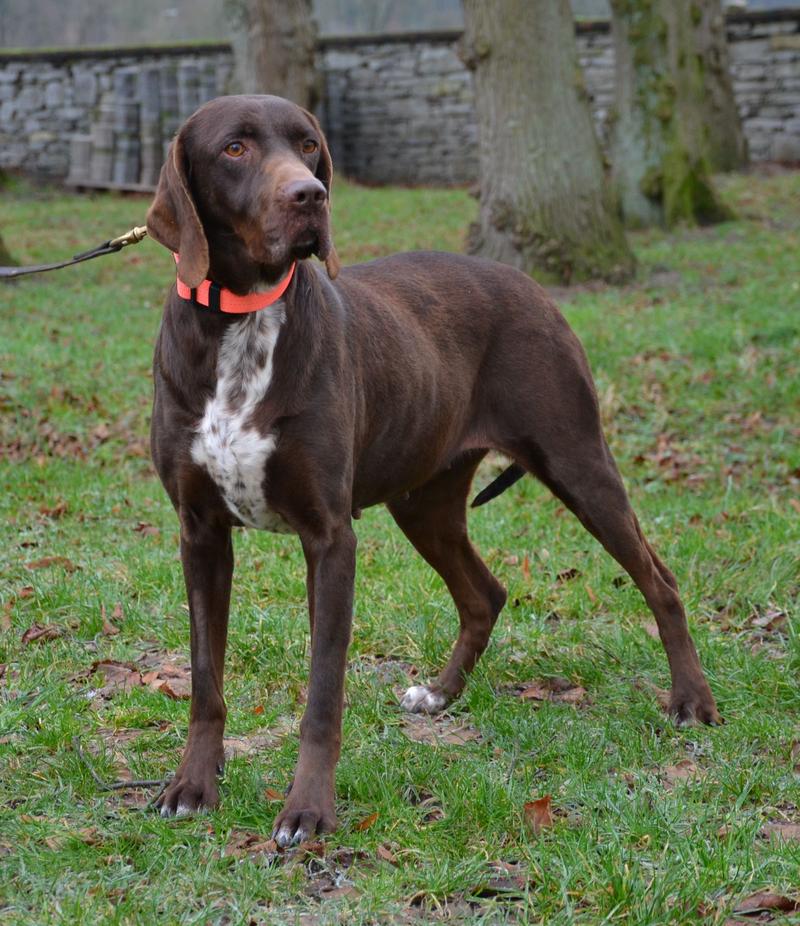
(184, 796)
(421, 699)
(694, 704)
(296, 824)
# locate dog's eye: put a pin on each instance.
(310, 146)
(235, 149)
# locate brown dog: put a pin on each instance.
(288, 402)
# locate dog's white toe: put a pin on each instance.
(420, 699)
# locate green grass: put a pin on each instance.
(697, 365)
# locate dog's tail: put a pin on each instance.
(506, 479)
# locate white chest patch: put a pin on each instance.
(228, 445)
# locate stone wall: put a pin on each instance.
(765, 62)
(48, 101)
(400, 109)
(397, 109)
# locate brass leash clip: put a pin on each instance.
(134, 236)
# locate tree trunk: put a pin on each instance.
(727, 145)
(661, 148)
(274, 43)
(545, 206)
(6, 260)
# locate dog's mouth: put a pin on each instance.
(278, 245)
(314, 239)
(305, 245)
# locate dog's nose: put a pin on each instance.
(305, 193)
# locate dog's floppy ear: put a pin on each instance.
(324, 173)
(173, 221)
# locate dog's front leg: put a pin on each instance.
(207, 556)
(309, 807)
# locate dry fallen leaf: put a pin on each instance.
(506, 880)
(538, 691)
(272, 795)
(573, 695)
(26, 591)
(109, 628)
(438, 731)
(385, 854)
(556, 689)
(46, 561)
(90, 836)
(39, 633)
(426, 802)
(764, 901)
(683, 771)
(147, 530)
(662, 695)
(167, 678)
(54, 512)
(259, 709)
(171, 680)
(366, 823)
(244, 844)
(538, 815)
(770, 620)
(178, 691)
(346, 890)
(785, 831)
(248, 744)
(118, 676)
(675, 462)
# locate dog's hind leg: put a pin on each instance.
(577, 465)
(433, 517)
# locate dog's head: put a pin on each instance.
(245, 191)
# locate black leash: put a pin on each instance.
(134, 236)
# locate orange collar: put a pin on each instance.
(215, 297)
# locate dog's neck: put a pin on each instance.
(232, 266)
(191, 337)
(212, 297)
